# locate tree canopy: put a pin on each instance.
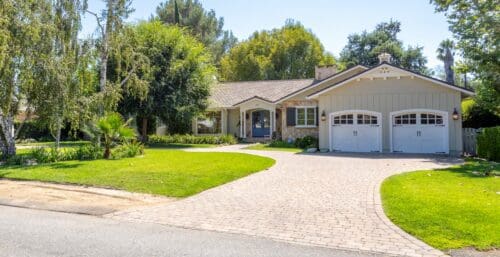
(290, 52)
(364, 48)
(476, 26)
(203, 24)
(182, 73)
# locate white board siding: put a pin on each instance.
(386, 96)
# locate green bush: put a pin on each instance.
(192, 139)
(306, 142)
(89, 152)
(281, 144)
(18, 159)
(127, 150)
(488, 144)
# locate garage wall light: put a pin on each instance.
(323, 116)
(455, 115)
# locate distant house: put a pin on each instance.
(380, 109)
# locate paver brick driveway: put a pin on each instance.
(329, 200)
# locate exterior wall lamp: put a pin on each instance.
(455, 114)
(323, 116)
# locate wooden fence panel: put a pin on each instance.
(470, 141)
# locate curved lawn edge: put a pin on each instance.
(170, 173)
(447, 208)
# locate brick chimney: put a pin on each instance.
(322, 72)
(384, 57)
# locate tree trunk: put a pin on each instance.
(107, 152)
(7, 129)
(144, 132)
(448, 67)
(58, 134)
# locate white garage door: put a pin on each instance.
(424, 131)
(355, 132)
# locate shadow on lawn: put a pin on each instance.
(56, 165)
(476, 169)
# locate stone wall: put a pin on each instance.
(292, 131)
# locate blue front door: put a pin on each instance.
(260, 124)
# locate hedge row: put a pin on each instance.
(192, 139)
(488, 144)
(86, 152)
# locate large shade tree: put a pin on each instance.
(476, 26)
(363, 48)
(110, 25)
(181, 76)
(28, 33)
(290, 52)
(57, 76)
(203, 24)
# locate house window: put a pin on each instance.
(305, 116)
(211, 123)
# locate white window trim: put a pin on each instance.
(305, 116)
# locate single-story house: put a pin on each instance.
(384, 108)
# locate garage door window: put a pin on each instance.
(406, 119)
(431, 119)
(367, 119)
(343, 119)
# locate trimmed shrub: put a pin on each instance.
(281, 144)
(89, 152)
(306, 142)
(47, 155)
(192, 139)
(127, 150)
(488, 144)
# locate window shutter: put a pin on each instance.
(290, 116)
(317, 116)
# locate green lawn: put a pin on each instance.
(449, 208)
(163, 172)
(266, 147)
(182, 146)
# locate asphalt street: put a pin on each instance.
(28, 232)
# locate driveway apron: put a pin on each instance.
(328, 200)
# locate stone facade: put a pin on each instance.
(293, 132)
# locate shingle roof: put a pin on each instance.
(230, 93)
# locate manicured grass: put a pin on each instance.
(267, 147)
(449, 208)
(181, 146)
(163, 172)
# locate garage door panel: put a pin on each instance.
(343, 139)
(422, 131)
(403, 136)
(355, 132)
(432, 138)
(367, 138)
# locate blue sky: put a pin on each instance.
(330, 20)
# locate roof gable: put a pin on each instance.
(319, 83)
(385, 70)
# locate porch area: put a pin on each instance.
(257, 120)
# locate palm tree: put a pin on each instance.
(445, 53)
(113, 130)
